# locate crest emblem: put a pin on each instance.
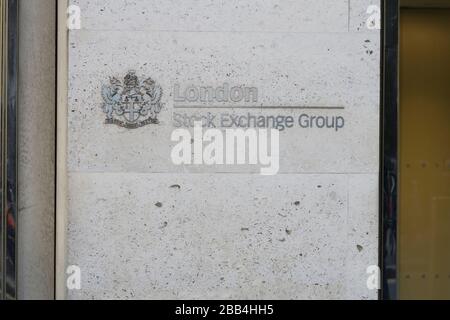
(131, 103)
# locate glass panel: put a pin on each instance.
(424, 229)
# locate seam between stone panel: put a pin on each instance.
(206, 31)
(219, 173)
(347, 234)
(349, 10)
(227, 32)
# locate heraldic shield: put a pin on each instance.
(130, 103)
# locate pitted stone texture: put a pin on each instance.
(215, 15)
(221, 236)
(139, 227)
(288, 69)
(362, 11)
(362, 234)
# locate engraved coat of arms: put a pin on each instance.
(131, 103)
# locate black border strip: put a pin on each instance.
(2, 133)
(10, 163)
(389, 151)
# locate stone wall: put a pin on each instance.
(141, 227)
(36, 149)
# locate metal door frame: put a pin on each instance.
(389, 151)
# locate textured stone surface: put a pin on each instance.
(362, 11)
(362, 234)
(140, 227)
(307, 69)
(216, 16)
(36, 149)
(212, 236)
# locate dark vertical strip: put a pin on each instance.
(2, 103)
(389, 152)
(11, 153)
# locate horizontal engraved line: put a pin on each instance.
(213, 172)
(260, 107)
